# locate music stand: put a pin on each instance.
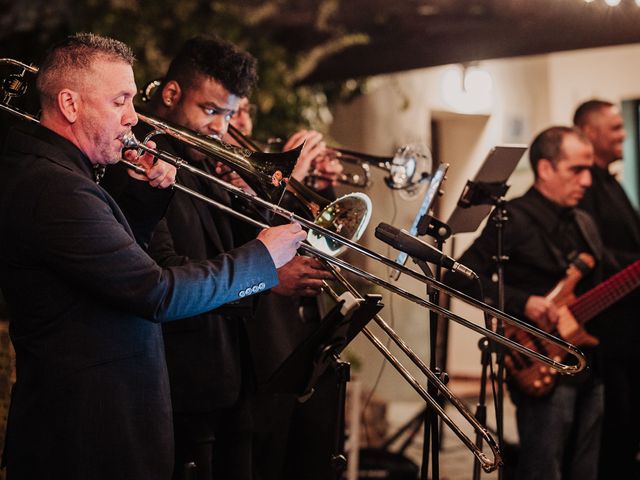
(299, 371)
(302, 369)
(496, 169)
(478, 197)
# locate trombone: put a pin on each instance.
(243, 162)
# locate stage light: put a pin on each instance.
(612, 3)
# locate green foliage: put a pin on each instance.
(155, 30)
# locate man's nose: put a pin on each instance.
(130, 117)
(218, 125)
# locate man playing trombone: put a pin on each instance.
(207, 355)
(560, 432)
(91, 399)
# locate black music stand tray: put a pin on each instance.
(498, 166)
(302, 369)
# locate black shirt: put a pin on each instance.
(619, 226)
(540, 238)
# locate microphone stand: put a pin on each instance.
(500, 218)
(483, 193)
(431, 226)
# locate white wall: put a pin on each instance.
(611, 73)
(530, 93)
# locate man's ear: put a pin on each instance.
(171, 93)
(68, 103)
(545, 169)
(590, 131)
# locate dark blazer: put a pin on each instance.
(92, 396)
(619, 225)
(282, 323)
(207, 356)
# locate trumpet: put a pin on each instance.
(333, 231)
(406, 170)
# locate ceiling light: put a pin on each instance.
(467, 89)
(612, 3)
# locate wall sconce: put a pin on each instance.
(467, 89)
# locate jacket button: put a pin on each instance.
(255, 289)
(241, 293)
(262, 285)
(247, 291)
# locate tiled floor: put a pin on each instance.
(456, 460)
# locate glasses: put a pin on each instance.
(250, 109)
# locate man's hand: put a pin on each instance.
(328, 168)
(302, 276)
(313, 147)
(159, 174)
(282, 241)
(230, 176)
(542, 311)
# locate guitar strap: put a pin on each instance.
(590, 233)
(540, 215)
(585, 224)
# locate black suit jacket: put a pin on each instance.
(91, 399)
(282, 323)
(207, 355)
(619, 226)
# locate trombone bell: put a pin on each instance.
(348, 216)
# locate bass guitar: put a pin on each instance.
(538, 380)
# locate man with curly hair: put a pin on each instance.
(208, 356)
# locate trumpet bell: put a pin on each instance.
(408, 169)
(348, 216)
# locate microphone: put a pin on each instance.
(405, 242)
